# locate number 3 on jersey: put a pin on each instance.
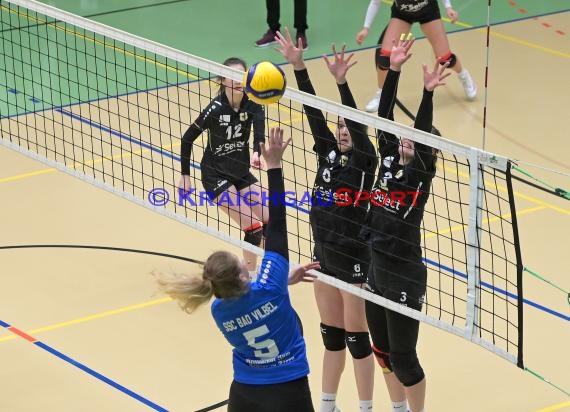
(264, 348)
(233, 133)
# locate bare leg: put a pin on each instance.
(330, 305)
(355, 321)
(416, 395)
(437, 37)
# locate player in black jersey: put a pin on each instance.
(398, 273)
(226, 161)
(404, 13)
(346, 165)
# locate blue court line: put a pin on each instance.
(83, 367)
(499, 290)
(122, 136)
(97, 99)
(172, 156)
(429, 261)
(146, 145)
(307, 58)
(500, 23)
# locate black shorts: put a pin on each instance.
(347, 264)
(426, 14)
(215, 183)
(398, 280)
(280, 397)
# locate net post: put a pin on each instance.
(473, 246)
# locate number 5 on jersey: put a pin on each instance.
(265, 349)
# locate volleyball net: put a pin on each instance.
(110, 108)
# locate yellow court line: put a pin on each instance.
(26, 175)
(115, 48)
(556, 407)
(129, 308)
(492, 220)
(91, 317)
(515, 193)
(101, 159)
(278, 123)
(514, 39)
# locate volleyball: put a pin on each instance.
(264, 83)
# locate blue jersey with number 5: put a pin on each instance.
(263, 328)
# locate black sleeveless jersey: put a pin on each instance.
(335, 217)
(227, 150)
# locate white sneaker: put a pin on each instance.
(373, 104)
(468, 84)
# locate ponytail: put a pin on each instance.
(220, 278)
(190, 292)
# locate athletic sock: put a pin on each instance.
(400, 406)
(328, 402)
(365, 406)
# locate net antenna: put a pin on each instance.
(109, 108)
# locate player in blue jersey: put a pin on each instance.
(256, 317)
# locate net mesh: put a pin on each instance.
(111, 109)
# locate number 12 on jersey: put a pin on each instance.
(232, 132)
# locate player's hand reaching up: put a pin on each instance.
(292, 53)
(272, 151)
(435, 78)
(401, 51)
(339, 66)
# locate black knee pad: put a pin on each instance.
(382, 62)
(254, 234)
(449, 57)
(407, 368)
(333, 338)
(383, 359)
(358, 344)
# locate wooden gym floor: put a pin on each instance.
(100, 309)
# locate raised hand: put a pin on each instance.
(292, 53)
(435, 78)
(401, 51)
(340, 65)
(272, 152)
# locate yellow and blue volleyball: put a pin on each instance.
(264, 83)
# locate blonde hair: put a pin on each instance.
(220, 278)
